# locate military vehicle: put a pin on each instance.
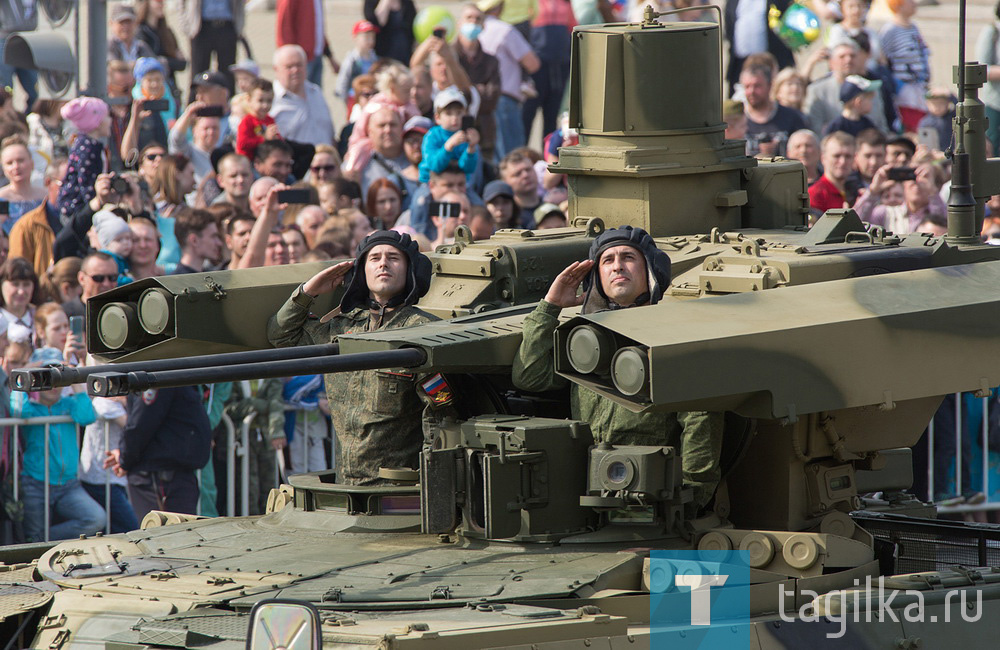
(828, 348)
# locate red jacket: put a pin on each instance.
(250, 134)
(296, 25)
(823, 196)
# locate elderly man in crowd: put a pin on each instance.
(299, 108)
(803, 145)
(387, 160)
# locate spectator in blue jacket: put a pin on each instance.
(73, 511)
(448, 142)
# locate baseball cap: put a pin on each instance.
(903, 141)
(940, 92)
(46, 355)
(210, 78)
(855, 85)
(417, 123)
(494, 189)
(122, 12)
(363, 26)
(246, 65)
(545, 210)
(488, 5)
(448, 96)
(145, 65)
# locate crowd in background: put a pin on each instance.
(860, 114)
(239, 171)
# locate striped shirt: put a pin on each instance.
(906, 52)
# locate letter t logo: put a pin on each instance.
(701, 602)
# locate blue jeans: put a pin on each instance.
(69, 504)
(314, 71)
(28, 78)
(510, 126)
(122, 516)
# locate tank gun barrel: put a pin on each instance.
(112, 384)
(32, 379)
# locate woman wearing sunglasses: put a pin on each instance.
(325, 165)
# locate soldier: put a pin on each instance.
(376, 414)
(624, 270)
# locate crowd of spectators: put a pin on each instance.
(239, 171)
(857, 109)
(161, 179)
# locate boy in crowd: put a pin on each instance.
(448, 142)
(257, 126)
(359, 61)
(857, 95)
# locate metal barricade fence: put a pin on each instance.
(983, 403)
(46, 421)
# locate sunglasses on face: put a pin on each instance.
(323, 168)
(100, 278)
(153, 156)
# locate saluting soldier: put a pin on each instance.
(376, 413)
(625, 269)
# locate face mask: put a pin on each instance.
(471, 31)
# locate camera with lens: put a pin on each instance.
(626, 475)
(120, 186)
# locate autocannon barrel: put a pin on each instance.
(113, 384)
(32, 379)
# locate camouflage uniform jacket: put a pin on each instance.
(265, 400)
(376, 413)
(698, 434)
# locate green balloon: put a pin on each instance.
(430, 18)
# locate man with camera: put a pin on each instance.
(921, 199)
(204, 122)
(116, 189)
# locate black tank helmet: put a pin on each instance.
(657, 267)
(418, 273)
